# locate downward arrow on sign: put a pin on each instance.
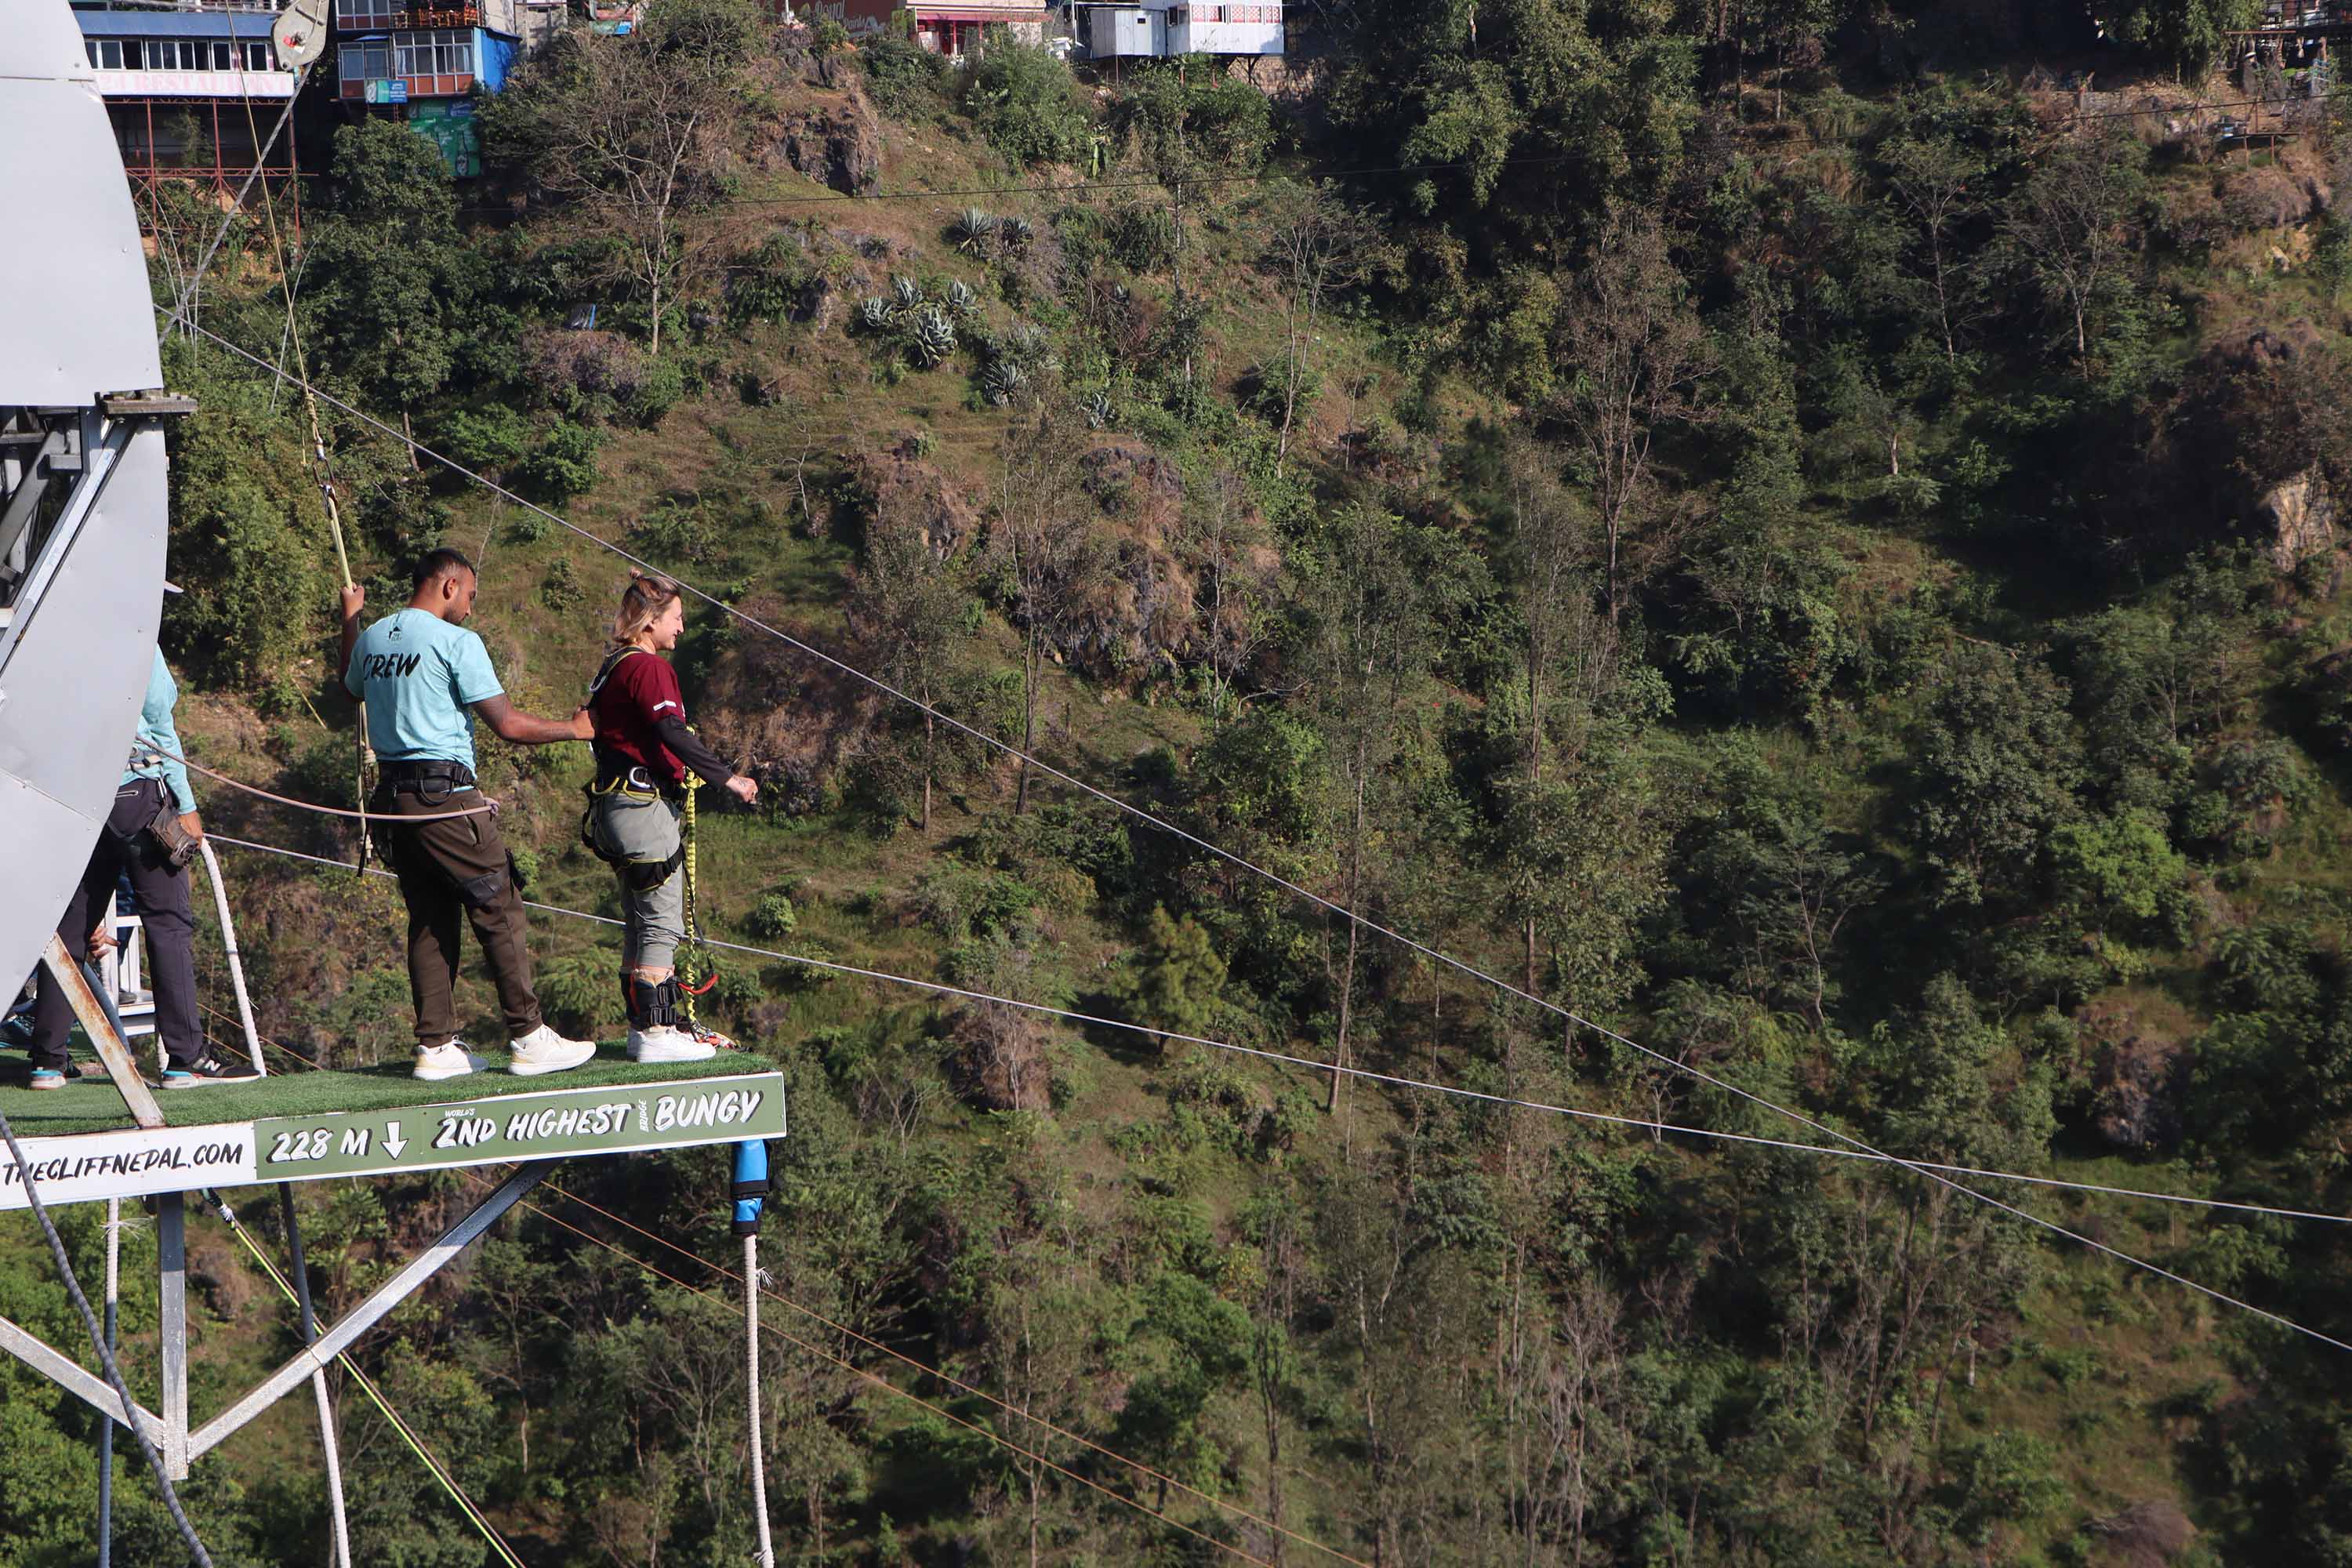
(392, 1141)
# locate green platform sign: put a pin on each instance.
(566, 1123)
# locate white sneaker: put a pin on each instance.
(668, 1043)
(544, 1051)
(449, 1060)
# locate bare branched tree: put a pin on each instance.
(1316, 243)
(1635, 358)
(1042, 534)
(632, 134)
(906, 600)
(1236, 573)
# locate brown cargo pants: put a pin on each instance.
(452, 872)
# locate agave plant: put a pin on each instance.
(874, 313)
(971, 231)
(1025, 341)
(905, 291)
(1014, 233)
(934, 335)
(960, 299)
(1099, 411)
(1002, 381)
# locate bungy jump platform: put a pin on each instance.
(83, 525)
(82, 1147)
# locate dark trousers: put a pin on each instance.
(452, 873)
(160, 892)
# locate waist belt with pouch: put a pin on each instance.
(431, 780)
(179, 844)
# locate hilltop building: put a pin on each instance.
(190, 92)
(948, 29)
(421, 61)
(1159, 29)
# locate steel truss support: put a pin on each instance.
(170, 1431)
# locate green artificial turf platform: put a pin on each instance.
(92, 1105)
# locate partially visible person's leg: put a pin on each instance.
(52, 1013)
(161, 893)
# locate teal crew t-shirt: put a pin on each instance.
(420, 678)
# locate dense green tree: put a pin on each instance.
(2186, 34)
(388, 283)
(1995, 769)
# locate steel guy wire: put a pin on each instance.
(885, 1383)
(1864, 1152)
(106, 1358)
(1139, 814)
(1141, 1468)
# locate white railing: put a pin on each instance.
(195, 84)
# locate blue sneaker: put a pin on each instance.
(207, 1069)
(47, 1078)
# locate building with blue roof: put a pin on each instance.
(422, 61)
(187, 91)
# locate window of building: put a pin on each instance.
(370, 61)
(368, 13)
(257, 57)
(444, 52)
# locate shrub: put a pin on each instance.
(563, 466)
(584, 372)
(768, 284)
(560, 589)
(677, 531)
(486, 438)
(248, 542)
(773, 917)
(906, 80)
(1027, 106)
(1142, 238)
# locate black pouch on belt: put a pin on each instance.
(179, 844)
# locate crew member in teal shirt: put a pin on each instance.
(154, 789)
(422, 677)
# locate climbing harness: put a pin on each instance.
(636, 782)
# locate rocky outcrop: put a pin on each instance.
(2150, 1534)
(2298, 520)
(2135, 1078)
(901, 486)
(840, 143)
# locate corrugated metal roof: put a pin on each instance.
(103, 24)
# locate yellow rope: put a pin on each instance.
(691, 959)
(473, 1513)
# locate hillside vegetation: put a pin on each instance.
(1773, 529)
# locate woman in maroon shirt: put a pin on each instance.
(643, 752)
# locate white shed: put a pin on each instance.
(1126, 32)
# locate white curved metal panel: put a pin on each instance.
(79, 325)
(78, 322)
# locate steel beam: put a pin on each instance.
(87, 1386)
(315, 1358)
(172, 1327)
(65, 971)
